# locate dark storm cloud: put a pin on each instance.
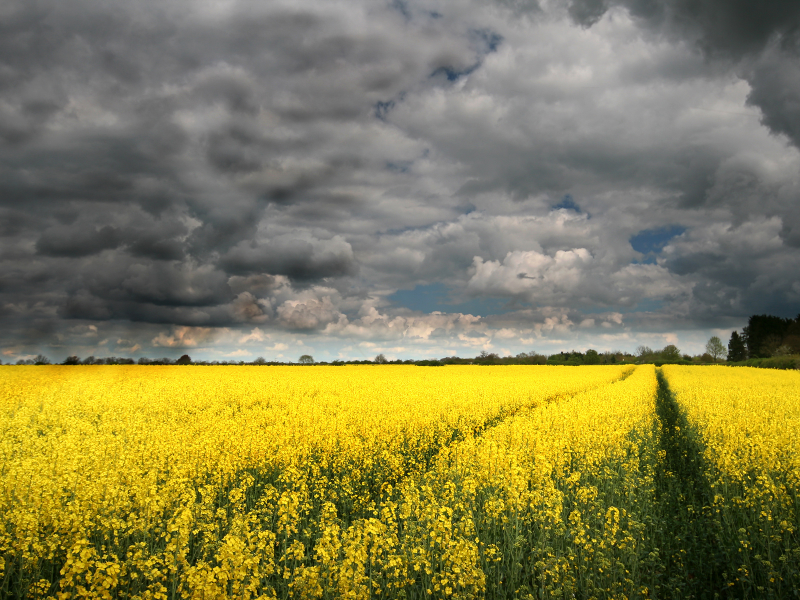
(297, 258)
(736, 268)
(733, 27)
(116, 167)
(764, 37)
(171, 173)
(80, 231)
(776, 89)
(151, 246)
(61, 241)
(13, 222)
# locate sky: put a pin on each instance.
(419, 178)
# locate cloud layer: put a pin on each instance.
(275, 178)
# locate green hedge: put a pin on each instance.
(776, 362)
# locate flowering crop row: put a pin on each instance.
(165, 482)
(745, 424)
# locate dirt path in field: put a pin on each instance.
(689, 545)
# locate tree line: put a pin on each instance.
(766, 341)
(764, 338)
(574, 358)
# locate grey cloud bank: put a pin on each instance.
(274, 179)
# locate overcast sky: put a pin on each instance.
(233, 179)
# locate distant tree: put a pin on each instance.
(592, 357)
(764, 334)
(715, 348)
(380, 360)
(736, 348)
(144, 361)
(670, 352)
(770, 345)
(306, 359)
(184, 360)
(792, 337)
(41, 359)
(643, 351)
(608, 358)
(783, 350)
(487, 358)
(429, 363)
(706, 358)
(72, 360)
(89, 360)
(260, 361)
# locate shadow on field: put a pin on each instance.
(691, 554)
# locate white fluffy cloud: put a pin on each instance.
(533, 276)
(185, 337)
(308, 313)
(373, 324)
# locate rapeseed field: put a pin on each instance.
(398, 482)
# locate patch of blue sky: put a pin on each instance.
(567, 203)
(399, 166)
(402, 7)
(482, 307)
(486, 40)
(646, 305)
(652, 241)
(454, 74)
(436, 297)
(382, 109)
